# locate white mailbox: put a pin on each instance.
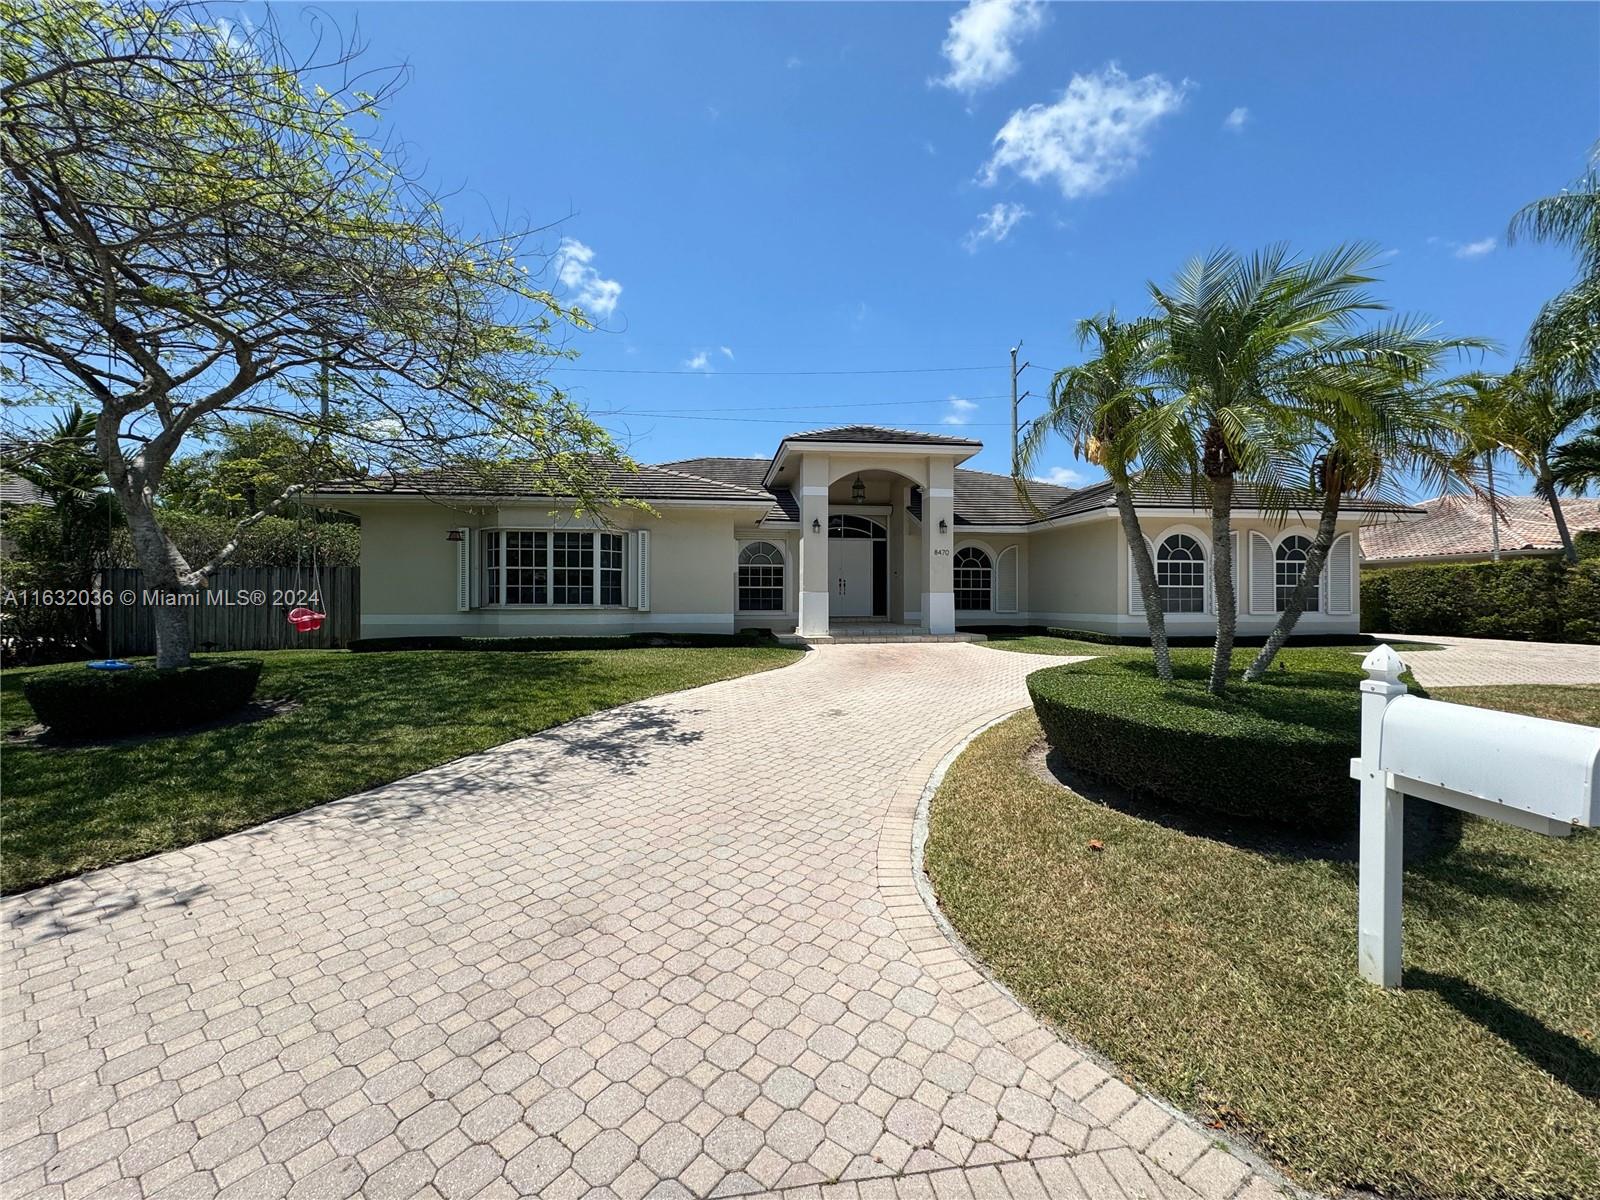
(1541, 775)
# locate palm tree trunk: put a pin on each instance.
(1316, 559)
(1494, 511)
(1223, 600)
(1155, 618)
(1546, 487)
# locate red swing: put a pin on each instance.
(302, 618)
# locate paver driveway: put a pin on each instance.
(673, 949)
(1473, 662)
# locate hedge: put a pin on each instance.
(271, 542)
(1523, 599)
(77, 701)
(1276, 751)
(524, 645)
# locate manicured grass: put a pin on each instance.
(1220, 972)
(363, 720)
(1580, 705)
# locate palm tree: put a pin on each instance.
(1575, 465)
(1531, 416)
(1238, 340)
(1093, 406)
(1565, 338)
(1369, 424)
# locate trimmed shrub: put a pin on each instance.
(1084, 635)
(270, 542)
(78, 702)
(526, 645)
(1276, 751)
(1523, 599)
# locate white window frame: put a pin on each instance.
(782, 547)
(1200, 540)
(1277, 549)
(991, 569)
(596, 568)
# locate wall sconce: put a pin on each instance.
(816, 525)
(453, 536)
(943, 528)
(858, 492)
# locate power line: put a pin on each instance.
(773, 420)
(756, 406)
(713, 374)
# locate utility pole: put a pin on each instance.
(1016, 448)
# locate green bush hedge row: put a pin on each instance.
(1525, 599)
(75, 701)
(1276, 751)
(271, 542)
(529, 644)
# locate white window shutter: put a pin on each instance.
(1005, 581)
(642, 570)
(464, 571)
(1338, 577)
(1263, 583)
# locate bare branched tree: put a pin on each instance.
(198, 225)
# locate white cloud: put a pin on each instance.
(983, 35)
(794, 62)
(1235, 121)
(1063, 477)
(1092, 136)
(698, 361)
(595, 295)
(1475, 249)
(995, 225)
(960, 411)
(727, 352)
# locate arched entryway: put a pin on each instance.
(858, 563)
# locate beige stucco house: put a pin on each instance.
(838, 529)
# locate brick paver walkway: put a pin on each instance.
(1473, 662)
(670, 950)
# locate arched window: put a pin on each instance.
(1288, 565)
(1181, 574)
(761, 578)
(973, 579)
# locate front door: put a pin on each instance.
(851, 563)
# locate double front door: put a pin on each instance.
(858, 567)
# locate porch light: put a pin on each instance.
(943, 528)
(816, 525)
(858, 492)
(453, 536)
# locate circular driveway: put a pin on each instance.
(674, 949)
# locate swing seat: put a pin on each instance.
(306, 620)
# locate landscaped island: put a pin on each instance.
(1213, 957)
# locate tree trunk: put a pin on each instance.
(1223, 600)
(1494, 511)
(1546, 487)
(1316, 559)
(1155, 617)
(164, 571)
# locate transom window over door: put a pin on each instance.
(761, 578)
(537, 567)
(1181, 574)
(1289, 565)
(973, 579)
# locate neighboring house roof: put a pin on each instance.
(15, 490)
(1460, 527)
(530, 479)
(879, 433)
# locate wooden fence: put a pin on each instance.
(243, 608)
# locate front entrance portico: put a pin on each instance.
(876, 530)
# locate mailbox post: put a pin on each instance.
(1525, 771)
(1382, 828)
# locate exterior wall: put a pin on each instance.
(408, 571)
(1072, 575)
(994, 544)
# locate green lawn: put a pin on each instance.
(1045, 643)
(363, 720)
(1220, 972)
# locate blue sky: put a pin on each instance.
(839, 187)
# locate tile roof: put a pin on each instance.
(878, 433)
(746, 473)
(1175, 495)
(532, 479)
(1459, 527)
(16, 490)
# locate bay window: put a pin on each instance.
(553, 568)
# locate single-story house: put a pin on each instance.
(1462, 529)
(838, 528)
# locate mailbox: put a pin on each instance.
(1544, 768)
(1541, 775)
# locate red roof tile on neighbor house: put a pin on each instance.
(1459, 527)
